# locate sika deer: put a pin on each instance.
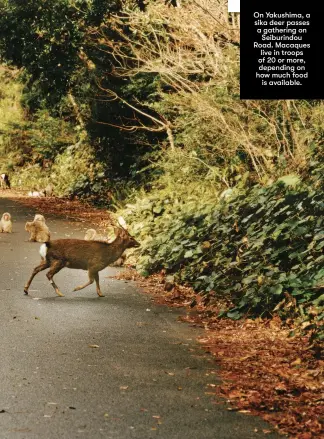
(93, 256)
(92, 235)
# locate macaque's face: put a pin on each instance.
(39, 218)
(6, 216)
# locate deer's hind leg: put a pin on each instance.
(55, 267)
(42, 266)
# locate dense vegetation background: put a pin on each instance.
(136, 107)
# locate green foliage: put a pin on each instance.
(67, 48)
(184, 78)
(76, 173)
(43, 37)
(52, 43)
(11, 117)
(73, 169)
(258, 247)
(49, 136)
(31, 177)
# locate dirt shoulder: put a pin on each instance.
(264, 371)
(69, 209)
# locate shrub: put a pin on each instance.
(75, 171)
(262, 247)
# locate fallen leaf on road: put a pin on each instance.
(236, 394)
(20, 430)
(123, 387)
(246, 357)
(94, 346)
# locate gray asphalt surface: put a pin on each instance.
(147, 379)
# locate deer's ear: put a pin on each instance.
(122, 222)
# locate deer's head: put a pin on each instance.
(120, 232)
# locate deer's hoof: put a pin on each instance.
(25, 292)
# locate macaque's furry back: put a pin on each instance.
(5, 223)
(38, 230)
(91, 235)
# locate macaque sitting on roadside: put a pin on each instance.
(36, 194)
(48, 191)
(92, 235)
(4, 181)
(5, 223)
(38, 230)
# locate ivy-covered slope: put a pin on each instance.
(259, 247)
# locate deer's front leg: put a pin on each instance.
(91, 280)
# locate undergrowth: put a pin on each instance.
(261, 246)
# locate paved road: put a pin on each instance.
(147, 379)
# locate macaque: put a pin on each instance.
(36, 194)
(38, 230)
(48, 191)
(92, 235)
(5, 223)
(4, 181)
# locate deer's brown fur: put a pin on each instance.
(92, 256)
